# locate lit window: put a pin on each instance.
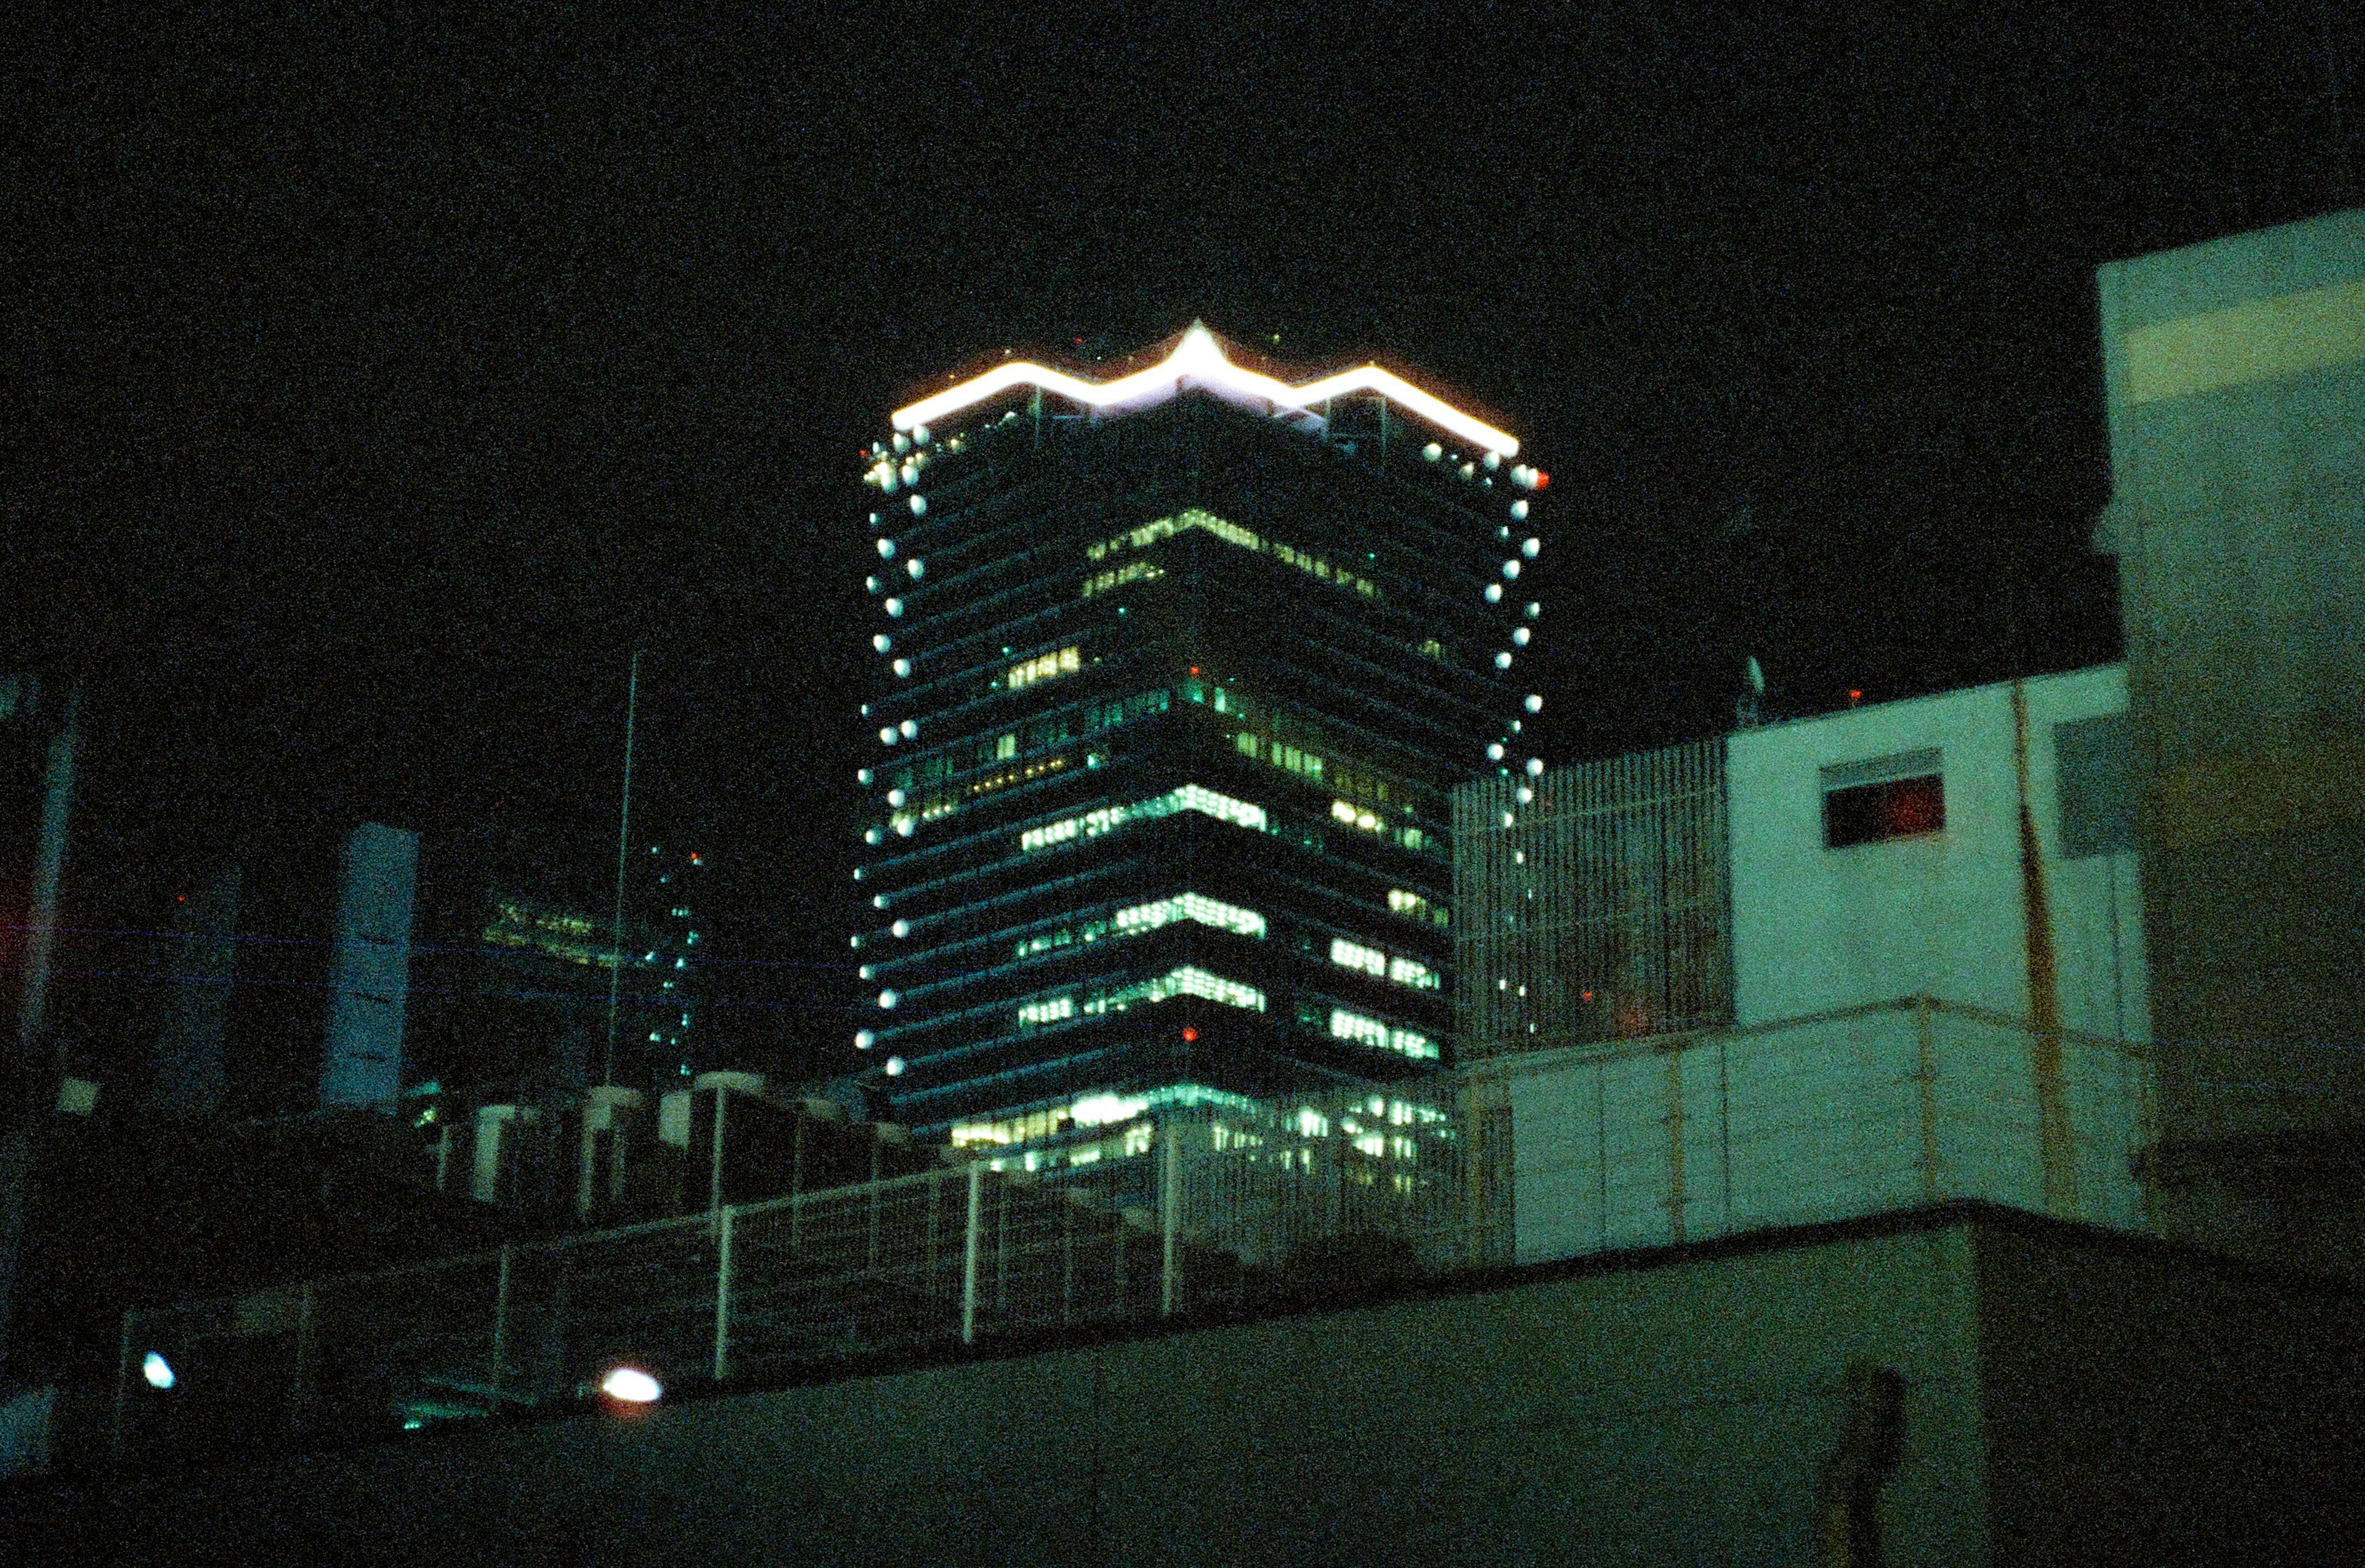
(1892, 797)
(1192, 907)
(1346, 1025)
(1050, 1012)
(1048, 667)
(1355, 956)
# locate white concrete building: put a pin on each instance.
(1853, 882)
(1935, 971)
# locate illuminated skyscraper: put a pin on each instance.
(1175, 673)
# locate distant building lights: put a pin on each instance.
(1199, 360)
(1519, 509)
(1535, 767)
(862, 776)
(887, 999)
(911, 728)
(1510, 568)
(882, 643)
(864, 1040)
(1494, 593)
(1535, 704)
(919, 505)
(157, 1371)
(1534, 610)
(631, 1385)
(895, 797)
(1519, 636)
(1432, 452)
(903, 668)
(894, 607)
(1530, 548)
(886, 549)
(917, 567)
(901, 928)
(1502, 661)
(887, 735)
(894, 1067)
(1495, 751)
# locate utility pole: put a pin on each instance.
(26, 1096)
(623, 849)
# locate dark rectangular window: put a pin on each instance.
(2091, 776)
(1889, 797)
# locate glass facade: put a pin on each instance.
(1168, 707)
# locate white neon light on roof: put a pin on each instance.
(1199, 358)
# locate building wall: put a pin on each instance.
(370, 982)
(1942, 913)
(2235, 373)
(2067, 1399)
(1644, 1414)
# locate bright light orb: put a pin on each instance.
(631, 1385)
(882, 643)
(1535, 703)
(1502, 661)
(1494, 593)
(886, 549)
(894, 1067)
(919, 505)
(158, 1371)
(1494, 751)
(864, 1040)
(1535, 767)
(1532, 548)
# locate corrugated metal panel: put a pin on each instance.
(1597, 909)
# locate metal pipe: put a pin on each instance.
(724, 1229)
(968, 1253)
(623, 847)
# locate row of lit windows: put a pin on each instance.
(1286, 750)
(1131, 572)
(1101, 1110)
(1149, 917)
(1049, 730)
(1188, 981)
(1149, 533)
(1346, 1025)
(1386, 965)
(1187, 798)
(1372, 822)
(1414, 907)
(1046, 667)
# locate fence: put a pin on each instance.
(1199, 1209)
(1685, 1137)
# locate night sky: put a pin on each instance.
(375, 383)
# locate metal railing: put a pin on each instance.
(1196, 1210)
(1853, 1112)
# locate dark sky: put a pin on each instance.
(374, 382)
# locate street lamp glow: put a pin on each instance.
(157, 1371)
(631, 1385)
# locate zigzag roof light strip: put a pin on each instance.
(1199, 358)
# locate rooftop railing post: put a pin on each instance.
(1169, 1214)
(299, 1392)
(724, 1228)
(974, 1237)
(500, 1365)
(119, 1440)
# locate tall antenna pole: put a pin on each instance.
(624, 849)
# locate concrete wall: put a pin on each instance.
(1941, 914)
(1823, 1118)
(1672, 1413)
(2067, 1399)
(2235, 376)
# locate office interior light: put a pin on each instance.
(1199, 360)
